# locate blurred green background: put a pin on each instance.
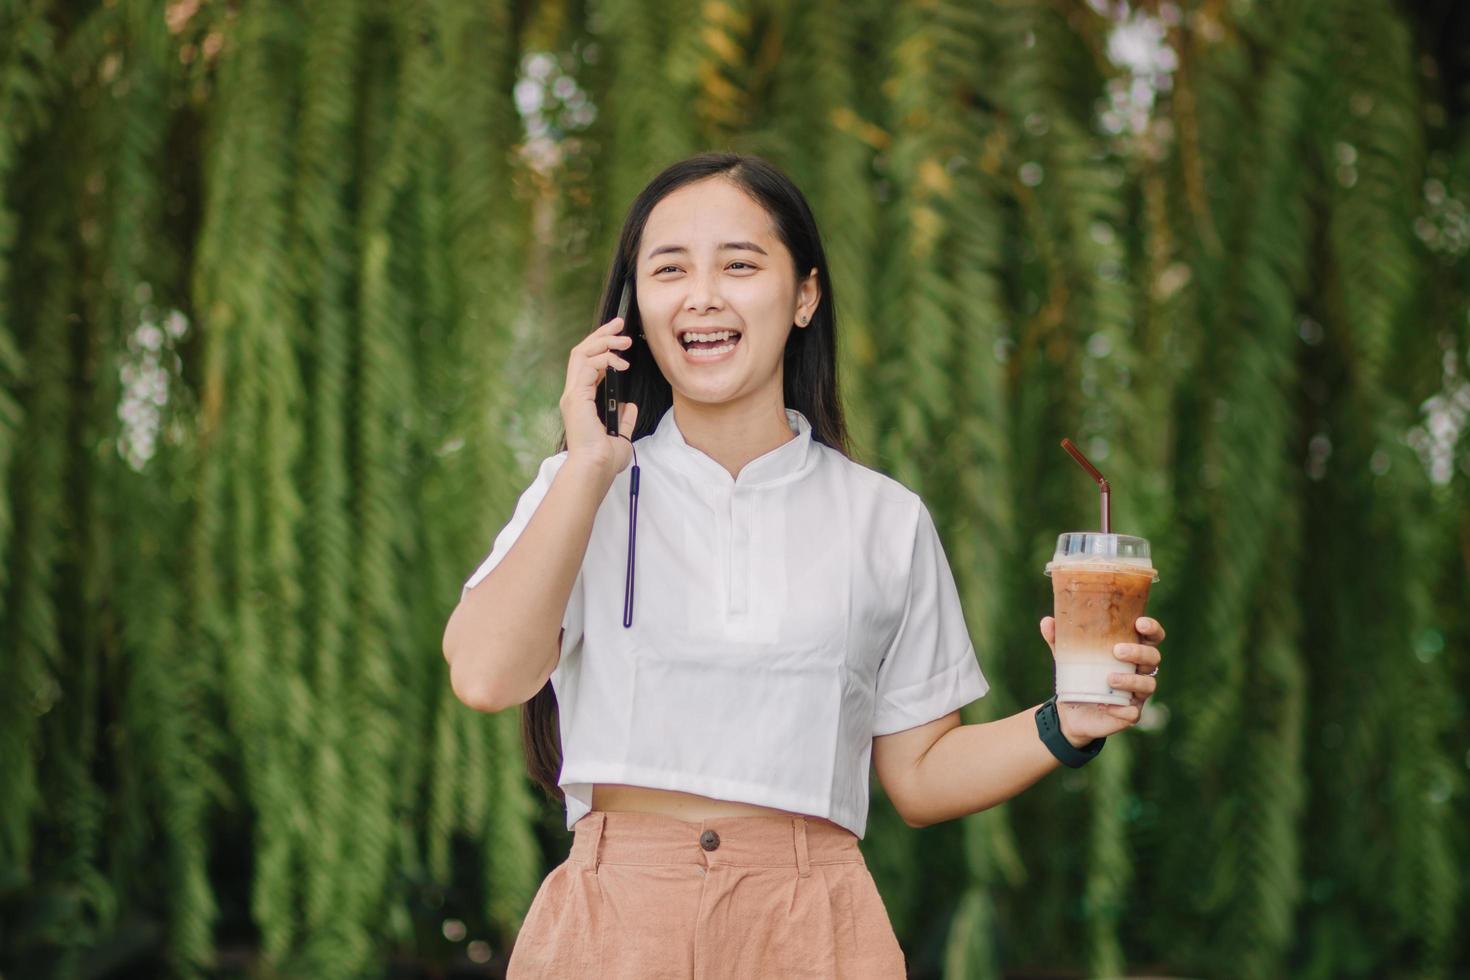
(286, 294)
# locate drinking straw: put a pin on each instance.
(1101, 482)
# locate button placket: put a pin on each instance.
(722, 509)
(739, 553)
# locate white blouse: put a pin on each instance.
(781, 619)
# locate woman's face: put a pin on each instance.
(710, 262)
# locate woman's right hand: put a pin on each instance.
(587, 437)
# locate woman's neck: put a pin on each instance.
(733, 435)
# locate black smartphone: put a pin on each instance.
(612, 380)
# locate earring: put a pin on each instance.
(803, 321)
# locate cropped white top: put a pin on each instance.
(781, 620)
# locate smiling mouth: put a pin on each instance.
(719, 342)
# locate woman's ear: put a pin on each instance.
(810, 292)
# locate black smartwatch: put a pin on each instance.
(1050, 729)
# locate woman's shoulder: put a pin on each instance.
(865, 477)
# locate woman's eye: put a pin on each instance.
(732, 265)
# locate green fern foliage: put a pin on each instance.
(286, 293)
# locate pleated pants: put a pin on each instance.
(649, 896)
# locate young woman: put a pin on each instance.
(735, 648)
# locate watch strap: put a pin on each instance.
(1049, 727)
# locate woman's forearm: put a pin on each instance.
(973, 767)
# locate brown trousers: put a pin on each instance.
(648, 896)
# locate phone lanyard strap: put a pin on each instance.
(632, 539)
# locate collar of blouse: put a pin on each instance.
(775, 466)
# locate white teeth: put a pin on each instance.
(713, 352)
(717, 335)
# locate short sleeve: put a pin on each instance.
(529, 500)
(930, 667)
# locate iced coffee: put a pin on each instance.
(1100, 586)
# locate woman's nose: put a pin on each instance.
(704, 293)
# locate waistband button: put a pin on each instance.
(709, 840)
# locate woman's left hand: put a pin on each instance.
(1082, 723)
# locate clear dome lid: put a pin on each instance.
(1094, 548)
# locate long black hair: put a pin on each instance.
(810, 366)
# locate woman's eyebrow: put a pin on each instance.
(726, 247)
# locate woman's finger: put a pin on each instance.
(1145, 656)
(595, 365)
(628, 419)
(585, 374)
(598, 341)
(1149, 629)
(1137, 683)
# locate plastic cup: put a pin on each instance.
(1100, 586)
